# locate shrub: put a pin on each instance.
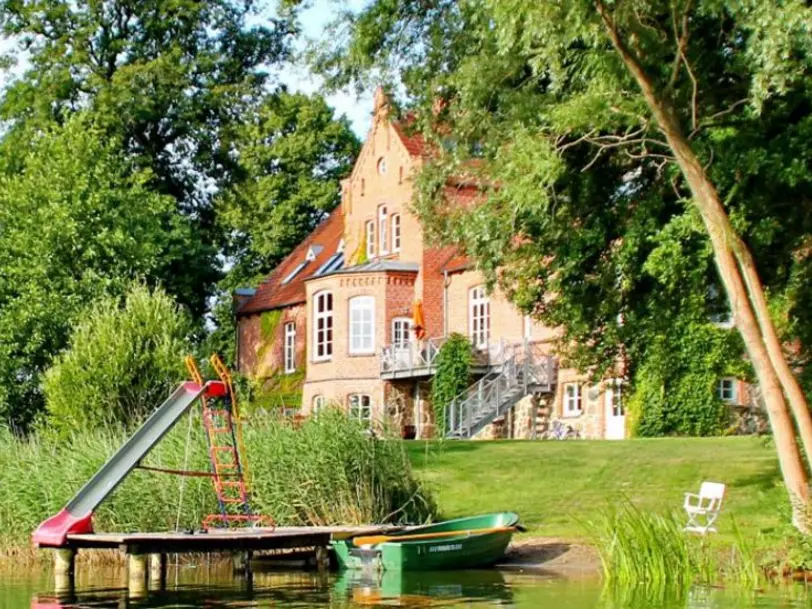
(453, 375)
(124, 359)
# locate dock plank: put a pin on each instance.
(222, 540)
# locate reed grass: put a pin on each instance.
(640, 547)
(326, 471)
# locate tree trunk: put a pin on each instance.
(797, 400)
(722, 236)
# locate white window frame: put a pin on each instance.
(360, 407)
(395, 232)
(362, 325)
(479, 317)
(370, 228)
(614, 393)
(323, 316)
(573, 403)
(733, 397)
(401, 326)
(383, 230)
(290, 347)
(318, 405)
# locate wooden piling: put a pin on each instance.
(241, 562)
(322, 558)
(157, 570)
(137, 575)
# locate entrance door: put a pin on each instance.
(615, 411)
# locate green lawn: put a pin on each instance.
(556, 486)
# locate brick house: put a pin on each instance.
(339, 312)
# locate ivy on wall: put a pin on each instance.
(269, 322)
(675, 386)
(452, 376)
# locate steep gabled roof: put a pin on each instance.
(285, 286)
(413, 141)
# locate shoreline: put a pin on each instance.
(546, 555)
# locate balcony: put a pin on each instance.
(416, 358)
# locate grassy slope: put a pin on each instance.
(557, 486)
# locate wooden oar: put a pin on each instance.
(373, 540)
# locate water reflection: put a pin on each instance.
(217, 588)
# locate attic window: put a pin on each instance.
(312, 252)
(381, 166)
(294, 272)
(335, 262)
(340, 248)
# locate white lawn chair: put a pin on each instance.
(703, 509)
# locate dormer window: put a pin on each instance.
(340, 248)
(294, 272)
(312, 252)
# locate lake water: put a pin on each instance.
(217, 588)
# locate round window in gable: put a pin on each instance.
(381, 166)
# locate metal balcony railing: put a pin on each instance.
(418, 357)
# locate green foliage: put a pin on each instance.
(328, 471)
(675, 387)
(277, 390)
(452, 376)
(569, 158)
(646, 548)
(79, 221)
(124, 359)
(290, 155)
(269, 323)
(168, 79)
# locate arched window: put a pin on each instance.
(318, 405)
(383, 231)
(362, 325)
(323, 326)
(370, 228)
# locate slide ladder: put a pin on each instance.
(226, 453)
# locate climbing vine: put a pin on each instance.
(269, 322)
(453, 371)
(675, 385)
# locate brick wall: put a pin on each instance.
(261, 356)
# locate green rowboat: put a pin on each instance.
(464, 543)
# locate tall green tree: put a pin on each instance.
(289, 156)
(79, 220)
(606, 126)
(167, 78)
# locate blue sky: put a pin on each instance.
(314, 20)
(297, 77)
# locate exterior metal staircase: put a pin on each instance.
(521, 371)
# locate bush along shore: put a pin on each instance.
(325, 471)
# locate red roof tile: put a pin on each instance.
(457, 262)
(272, 293)
(412, 140)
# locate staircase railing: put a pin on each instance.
(522, 366)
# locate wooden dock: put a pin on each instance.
(147, 552)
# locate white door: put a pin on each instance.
(615, 411)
